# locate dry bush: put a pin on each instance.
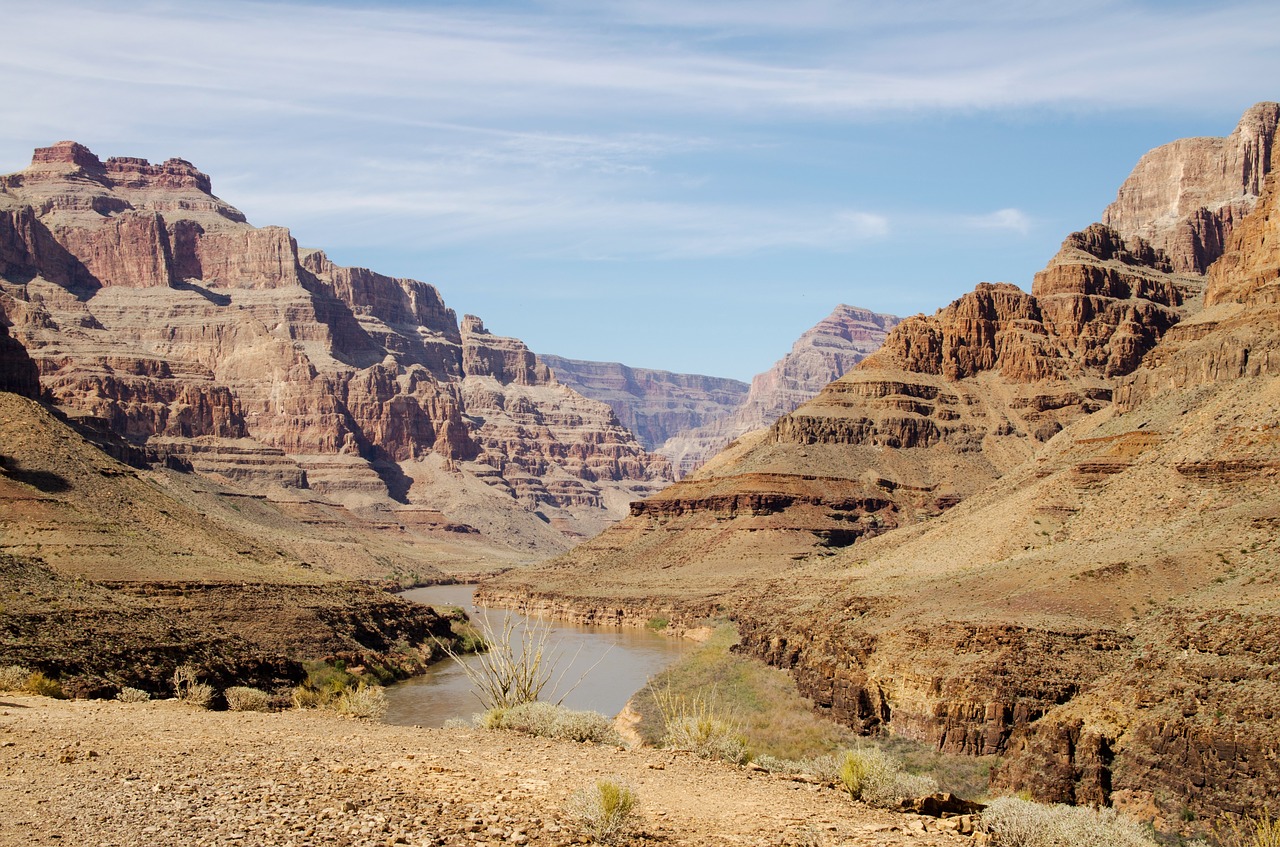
(692, 723)
(364, 701)
(244, 699)
(518, 662)
(603, 810)
(132, 695)
(551, 721)
(1022, 823)
(877, 779)
(188, 688)
(307, 698)
(14, 677)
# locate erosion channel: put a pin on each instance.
(616, 662)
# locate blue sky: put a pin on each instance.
(677, 184)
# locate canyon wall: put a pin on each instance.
(146, 301)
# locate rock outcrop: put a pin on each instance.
(150, 303)
(1186, 197)
(1039, 525)
(822, 354)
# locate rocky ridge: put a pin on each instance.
(822, 354)
(1037, 524)
(148, 302)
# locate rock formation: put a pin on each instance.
(1036, 525)
(655, 405)
(150, 303)
(1186, 197)
(822, 354)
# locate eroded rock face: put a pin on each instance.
(1186, 197)
(148, 302)
(655, 405)
(824, 353)
(1071, 559)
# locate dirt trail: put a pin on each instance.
(162, 773)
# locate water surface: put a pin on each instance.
(623, 661)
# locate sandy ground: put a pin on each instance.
(164, 773)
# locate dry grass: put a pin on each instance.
(363, 701)
(603, 810)
(877, 779)
(1022, 823)
(132, 695)
(761, 702)
(1259, 830)
(13, 677)
(549, 720)
(244, 699)
(188, 688)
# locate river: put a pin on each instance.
(616, 662)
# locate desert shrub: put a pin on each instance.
(132, 695)
(1022, 823)
(603, 810)
(693, 723)
(39, 684)
(1259, 830)
(519, 661)
(188, 688)
(877, 779)
(14, 677)
(304, 697)
(458, 723)
(551, 721)
(243, 699)
(363, 701)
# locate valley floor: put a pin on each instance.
(163, 773)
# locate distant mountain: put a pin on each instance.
(654, 405)
(151, 304)
(822, 354)
(1040, 525)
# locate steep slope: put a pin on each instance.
(113, 575)
(150, 303)
(655, 405)
(1058, 517)
(822, 354)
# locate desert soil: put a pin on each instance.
(164, 773)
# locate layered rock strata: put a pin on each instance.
(822, 354)
(655, 405)
(1060, 510)
(1186, 197)
(150, 303)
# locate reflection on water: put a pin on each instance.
(626, 659)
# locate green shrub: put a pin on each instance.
(132, 695)
(243, 699)
(364, 701)
(604, 810)
(548, 720)
(188, 688)
(877, 779)
(42, 686)
(14, 677)
(1021, 823)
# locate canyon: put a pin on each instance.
(1039, 525)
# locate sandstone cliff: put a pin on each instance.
(655, 405)
(1186, 197)
(1039, 525)
(822, 354)
(152, 304)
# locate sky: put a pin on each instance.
(676, 184)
